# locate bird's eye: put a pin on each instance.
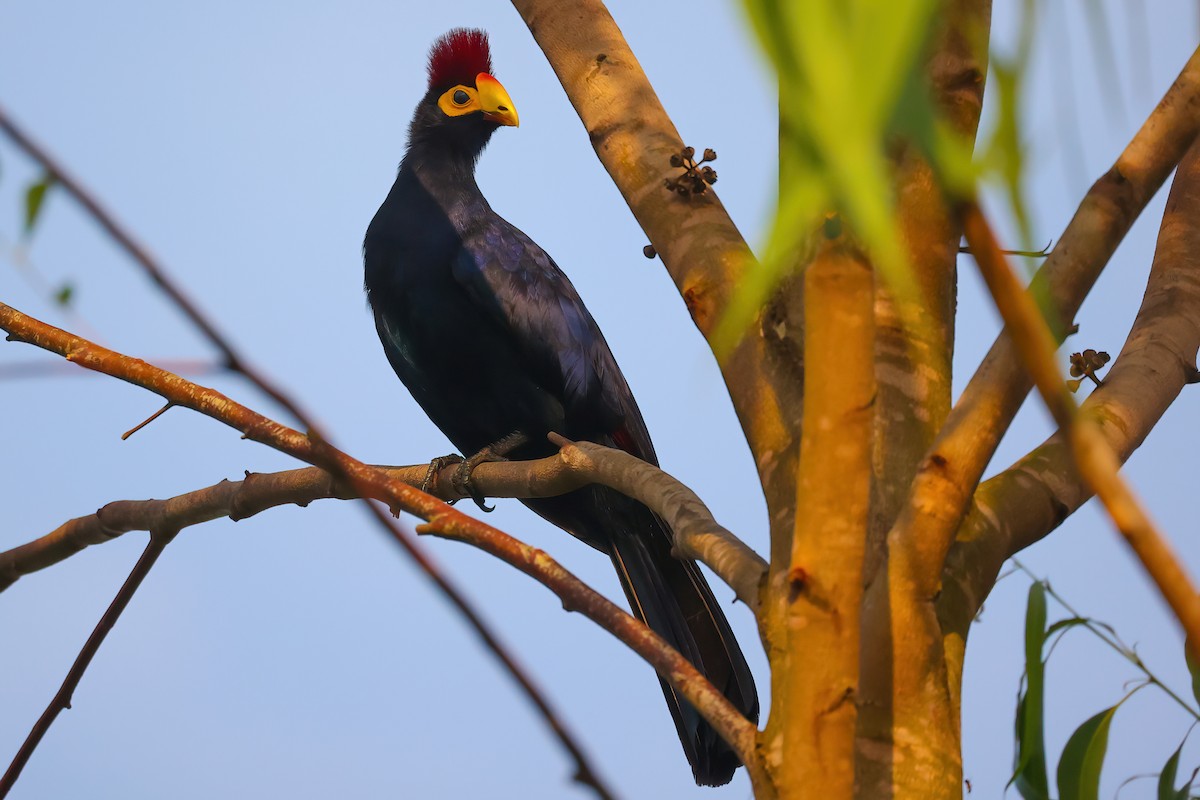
(461, 98)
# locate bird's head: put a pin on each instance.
(464, 104)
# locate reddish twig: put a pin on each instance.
(375, 483)
(62, 699)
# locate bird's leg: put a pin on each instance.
(435, 466)
(496, 451)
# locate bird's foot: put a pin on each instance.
(435, 466)
(497, 451)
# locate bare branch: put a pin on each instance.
(62, 699)
(697, 534)
(443, 519)
(1094, 458)
(951, 470)
(913, 361)
(815, 600)
(699, 244)
(1032, 497)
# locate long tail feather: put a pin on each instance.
(672, 597)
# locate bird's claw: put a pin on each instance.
(435, 466)
(463, 483)
(493, 452)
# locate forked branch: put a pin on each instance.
(1032, 497)
(442, 519)
(951, 470)
(1093, 457)
(697, 534)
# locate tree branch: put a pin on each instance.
(61, 701)
(699, 244)
(697, 534)
(1032, 497)
(1093, 457)
(909, 677)
(815, 599)
(951, 470)
(375, 483)
(913, 362)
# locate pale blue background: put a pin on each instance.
(298, 654)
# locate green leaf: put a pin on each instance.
(1194, 669)
(35, 197)
(1166, 779)
(1029, 774)
(1083, 756)
(1069, 622)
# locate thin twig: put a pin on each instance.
(1114, 641)
(443, 520)
(146, 421)
(62, 699)
(1094, 458)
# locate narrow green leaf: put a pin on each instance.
(1166, 779)
(1083, 757)
(1194, 670)
(1029, 774)
(1069, 622)
(35, 197)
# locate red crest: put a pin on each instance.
(458, 56)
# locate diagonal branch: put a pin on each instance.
(1093, 457)
(443, 520)
(1032, 497)
(697, 534)
(159, 539)
(951, 470)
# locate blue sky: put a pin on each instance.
(297, 653)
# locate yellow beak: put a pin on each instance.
(495, 102)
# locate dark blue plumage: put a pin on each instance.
(491, 338)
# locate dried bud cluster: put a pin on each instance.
(1086, 364)
(696, 177)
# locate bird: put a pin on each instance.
(494, 343)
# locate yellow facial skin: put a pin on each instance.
(486, 96)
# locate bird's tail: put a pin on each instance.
(672, 597)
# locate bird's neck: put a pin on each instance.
(447, 174)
